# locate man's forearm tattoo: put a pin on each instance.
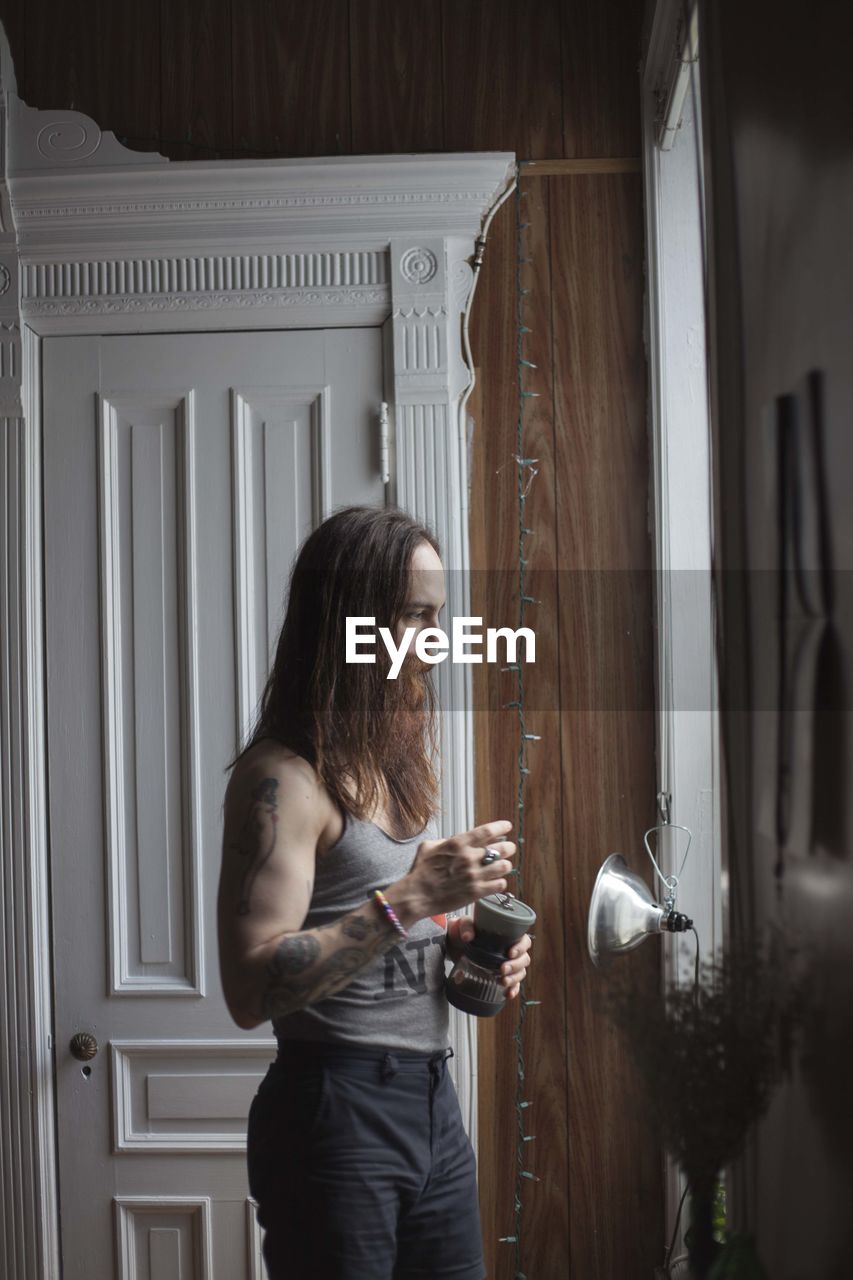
(359, 928)
(299, 974)
(257, 837)
(294, 955)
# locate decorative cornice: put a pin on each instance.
(62, 139)
(77, 193)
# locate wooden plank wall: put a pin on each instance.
(548, 80)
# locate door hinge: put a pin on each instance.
(384, 446)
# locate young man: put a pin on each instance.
(357, 1155)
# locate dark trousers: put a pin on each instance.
(361, 1167)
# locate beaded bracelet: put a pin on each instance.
(379, 897)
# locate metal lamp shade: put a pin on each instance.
(622, 911)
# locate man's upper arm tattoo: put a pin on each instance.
(256, 840)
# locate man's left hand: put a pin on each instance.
(460, 929)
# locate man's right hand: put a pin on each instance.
(448, 874)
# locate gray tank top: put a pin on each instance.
(398, 1000)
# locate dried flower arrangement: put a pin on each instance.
(708, 1057)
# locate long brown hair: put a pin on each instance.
(348, 718)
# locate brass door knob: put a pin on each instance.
(83, 1046)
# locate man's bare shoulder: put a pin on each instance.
(268, 758)
(295, 779)
(266, 752)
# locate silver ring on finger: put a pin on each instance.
(491, 855)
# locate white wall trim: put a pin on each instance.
(687, 739)
(28, 1207)
(681, 493)
(100, 239)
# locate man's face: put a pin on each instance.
(425, 599)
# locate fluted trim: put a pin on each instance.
(29, 1247)
(29, 1241)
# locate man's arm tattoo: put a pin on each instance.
(294, 955)
(359, 928)
(307, 967)
(256, 840)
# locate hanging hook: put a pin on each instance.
(669, 882)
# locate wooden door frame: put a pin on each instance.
(98, 239)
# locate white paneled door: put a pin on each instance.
(180, 474)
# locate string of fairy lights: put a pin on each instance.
(526, 470)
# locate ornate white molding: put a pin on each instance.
(67, 139)
(193, 311)
(28, 212)
(110, 238)
(76, 188)
(307, 284)
(198, 273)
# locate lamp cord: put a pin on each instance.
(671, 1245)
(695, 966)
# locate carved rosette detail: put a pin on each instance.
(418, 265)
(5, 278)
(68, 141)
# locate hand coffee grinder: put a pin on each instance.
(474, 983)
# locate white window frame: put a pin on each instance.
(688, 757)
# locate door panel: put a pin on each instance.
(181, 474)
